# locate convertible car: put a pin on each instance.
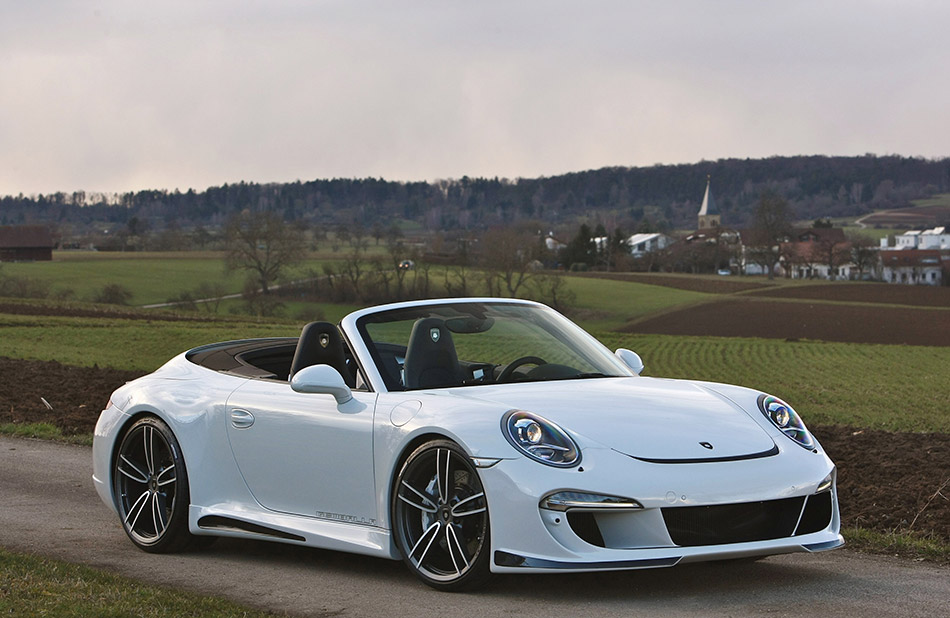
(465, 437)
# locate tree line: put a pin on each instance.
(664, 196)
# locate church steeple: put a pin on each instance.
(709, 213)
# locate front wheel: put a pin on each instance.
(440, 517)
(150, 485)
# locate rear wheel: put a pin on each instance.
(150, 485)
(440, 517)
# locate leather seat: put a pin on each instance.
(431, 360)
(320, 343)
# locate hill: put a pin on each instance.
(664, 195)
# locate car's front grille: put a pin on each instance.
(690, 526)
(721, 524)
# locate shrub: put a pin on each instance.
(113, 294)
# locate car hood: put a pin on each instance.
(646, 418)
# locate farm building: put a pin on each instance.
(25, 243)
(913, 266)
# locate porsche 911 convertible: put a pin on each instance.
(465, 437)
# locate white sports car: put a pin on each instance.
(466, 437)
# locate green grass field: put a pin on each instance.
(891, 387)
(151, 277)
(120, 343)
(604, 304)
(941, 199)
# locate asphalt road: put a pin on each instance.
(49, 507)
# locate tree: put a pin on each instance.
(772, 224)
(833, 253)
(262, 243)
(864, 254)
(507, 257)
(581, 249)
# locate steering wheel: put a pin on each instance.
(518, 362)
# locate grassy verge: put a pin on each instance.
(43, 431)
(901, 544)
(31, 586)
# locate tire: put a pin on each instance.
(440, 518)
(150, 486)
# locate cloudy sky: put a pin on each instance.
(112, 96)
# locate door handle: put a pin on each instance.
(241, 419)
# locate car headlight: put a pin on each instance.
(540, 439)
(786, 419)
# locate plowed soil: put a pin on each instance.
(886, 481)
(852, 323)
(892, 294)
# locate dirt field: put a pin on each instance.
(709, 285)
(740, 317)
(883, 293)
(880, 478)
(76, 394)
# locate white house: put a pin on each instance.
(553, 244)
(640, 244)
(933, 239)
(912, 266)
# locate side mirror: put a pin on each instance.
(322, 379)
(631, 359)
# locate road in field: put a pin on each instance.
(49, 507)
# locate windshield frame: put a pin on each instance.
(571, 335)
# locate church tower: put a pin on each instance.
(709, 216)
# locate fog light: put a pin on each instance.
(569, 500)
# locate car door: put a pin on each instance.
(303, 453)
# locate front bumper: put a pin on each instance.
(527, 538)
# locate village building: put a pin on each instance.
(25, 243)
(711, 246)
(912, 266)
(553, 244)
(818, 253)
(937, 238)
(709, 215)
(641, 244)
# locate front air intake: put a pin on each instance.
(691, 526)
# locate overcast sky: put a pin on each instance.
(122, 95)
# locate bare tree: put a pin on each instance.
(772, 224)
(263, 244)
(864, 255)
(507, 257)
(833, 254)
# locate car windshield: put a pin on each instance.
(470, 344)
